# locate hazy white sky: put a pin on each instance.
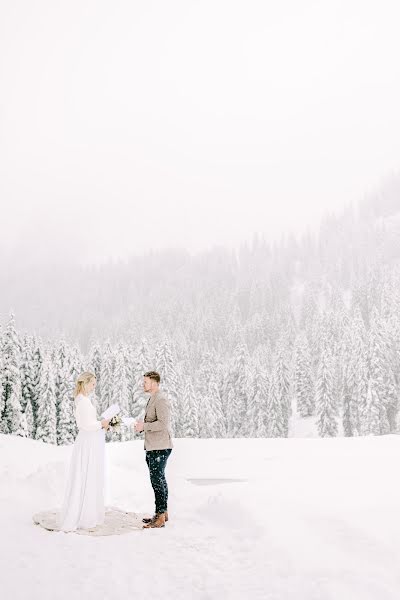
(128, 125)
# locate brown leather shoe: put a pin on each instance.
(152, 519)
(149, 519)
(157, 523)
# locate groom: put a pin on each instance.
(158, 445)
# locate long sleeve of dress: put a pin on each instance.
(85, 414)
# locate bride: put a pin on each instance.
(83, 506)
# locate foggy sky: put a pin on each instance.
(127, 126)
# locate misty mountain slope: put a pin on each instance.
(168, 290)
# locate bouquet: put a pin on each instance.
(113, 414)
(115, 423)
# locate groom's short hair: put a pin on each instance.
(153, 375)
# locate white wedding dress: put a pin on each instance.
(83, 506)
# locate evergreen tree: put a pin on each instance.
(106, 378)
(29, 419)
(165, 366)
(303, 379)
(59, 357)
(283, 382)
(189, 412)
(362, 392)
(95, 360)
(120, 393)
(239, 381)
(258, 403)
(373, 409)
(138, 398)
(206, 418)
(204, 373)
(46, 429)
(66, 425)
(380, 373)
(262, 358)
(211, 420)
(27, 352)
(130, 355)
(12, 420)
(2, 399)
(309, 309)
(35, 372)
(94, 366)
(326, 406)
(276, 426)
(352, 353)
(213, 399)
(76, 361)
(357, 374)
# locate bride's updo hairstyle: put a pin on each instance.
(83, 380)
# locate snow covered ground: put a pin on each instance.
(311, 519)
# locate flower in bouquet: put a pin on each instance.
(115, 423)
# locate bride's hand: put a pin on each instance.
(105, 424)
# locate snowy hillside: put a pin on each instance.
(307, 519)
(389, 228)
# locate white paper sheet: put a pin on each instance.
(111, 411)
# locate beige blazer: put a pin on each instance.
(157, 432)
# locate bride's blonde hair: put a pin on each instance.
(83, 380)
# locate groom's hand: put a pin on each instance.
(139, 426)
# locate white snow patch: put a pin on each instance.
(314, 519)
